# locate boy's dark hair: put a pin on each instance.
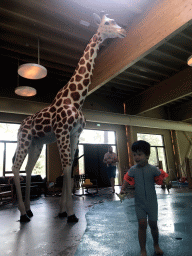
(141, 145)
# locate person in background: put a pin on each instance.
(145, 194)
(110, 158)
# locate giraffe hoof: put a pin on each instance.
(24, 218)
(29, 213)
(62, 215)
(72, 218)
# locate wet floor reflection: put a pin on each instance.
(112, 228)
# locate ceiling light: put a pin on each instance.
(84, 23)
(32, 70)
(189, 61)
(25, 91)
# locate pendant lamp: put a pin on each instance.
(33, 70)
(25, 91)
(189, 61)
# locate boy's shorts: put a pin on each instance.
(144, 210)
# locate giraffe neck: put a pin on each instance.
(75, 91)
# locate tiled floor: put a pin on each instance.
(47, 234)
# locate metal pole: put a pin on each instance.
(38, 53)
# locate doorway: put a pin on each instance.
(94, 166)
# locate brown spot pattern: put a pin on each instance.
(69, 112)
(82, 61)
(88, 66)
(47, 114)
(82, 70)
(59, 95)
(72, 87)
(80, 87)
(70, 120)
(52, 109)
(65, 94)
(76, 105)
(87, 56)
(86, 82)
(46, 121)
(58, 103)
(92, 51)
(78, 78)
(47, 129)
(67, 101)
(38, 121)
(63, 114)
(75, 96)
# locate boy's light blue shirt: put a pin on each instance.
(144, 183)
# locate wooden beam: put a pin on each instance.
(25, 107)
(181, 112)
(144, 34)
(176, 87)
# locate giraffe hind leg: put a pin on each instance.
(33, 155)
(17, 162)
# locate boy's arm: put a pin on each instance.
(157, 172)
(166, 180)
(124, 186)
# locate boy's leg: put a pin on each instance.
(155, 235)
(142, 235)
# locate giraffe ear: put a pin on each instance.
(97, 19)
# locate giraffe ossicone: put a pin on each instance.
(62, 121)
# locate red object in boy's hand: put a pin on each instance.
(158, 179)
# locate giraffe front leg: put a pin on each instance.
(74, 139)
(62, 201)
(27, 195)
(66, 202)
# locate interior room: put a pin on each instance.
(136, 85)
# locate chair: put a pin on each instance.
(84, 183)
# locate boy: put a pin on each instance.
(145, 195)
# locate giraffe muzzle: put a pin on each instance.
(122, 33)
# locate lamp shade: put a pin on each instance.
(25, 91)
(32, 71)
(189, 61)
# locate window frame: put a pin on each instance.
(7, 173)
(156, 147)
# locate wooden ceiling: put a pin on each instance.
(147, 69)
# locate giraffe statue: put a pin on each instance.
(62, 122)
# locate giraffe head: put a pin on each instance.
(108, 28)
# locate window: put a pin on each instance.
(8, 144)
(157, 148)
